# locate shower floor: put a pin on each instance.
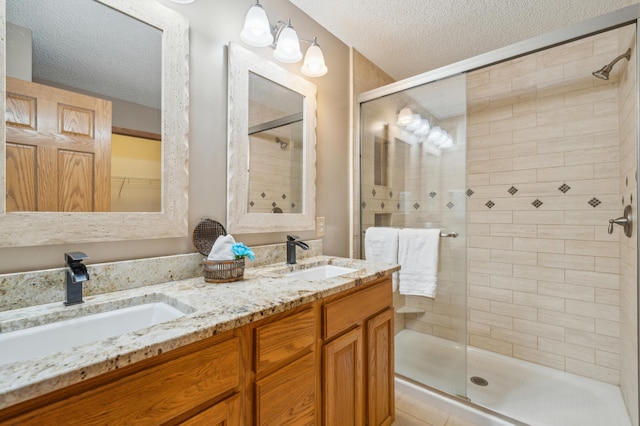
(530, 393)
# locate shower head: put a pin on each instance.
(603, 73)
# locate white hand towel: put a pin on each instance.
(381, 245)
(418, 255)
(222, 248)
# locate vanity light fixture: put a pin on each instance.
(314, 65)
(415, 123)
(405, 117)
(288, 46)
(283, 38)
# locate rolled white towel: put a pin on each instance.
(222, 248)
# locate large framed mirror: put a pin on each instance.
(271, 146)
(94, 143)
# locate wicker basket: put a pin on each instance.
(223, 271)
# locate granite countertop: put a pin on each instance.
(213, 309)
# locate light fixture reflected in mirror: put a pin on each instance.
(405, 117)
(420, 129)
(258, 32)
(415, 123)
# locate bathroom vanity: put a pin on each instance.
(272, 349)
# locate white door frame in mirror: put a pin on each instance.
(42, 228)
(239, 220)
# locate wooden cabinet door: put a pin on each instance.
(58, 149)
(380, 371)
(288, 396)
(225, 413)
(343, 380)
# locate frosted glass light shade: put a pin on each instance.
(435, 135)
(415, 123)
(314, 65)
(256, 31)
(405, 117)
(288, 46)
(423, 129)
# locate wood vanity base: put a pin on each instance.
(328, 362)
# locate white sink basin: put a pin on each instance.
(50, 338)
(320, 272)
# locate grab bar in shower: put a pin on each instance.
(442, 234)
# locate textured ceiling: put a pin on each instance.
(86, 45)
(409, 37)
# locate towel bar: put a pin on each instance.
(442, 235)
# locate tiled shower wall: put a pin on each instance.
(628, 90)
(543, 180)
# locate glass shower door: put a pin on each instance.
(412, 175)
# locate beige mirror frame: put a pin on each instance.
(44, 228)
(239, 220)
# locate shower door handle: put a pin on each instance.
(624, 221)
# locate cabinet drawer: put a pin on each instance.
(151, 396)
(344, 313)
(279, 341)
(225, 413)
(288, 396)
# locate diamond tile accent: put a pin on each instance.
(432, 194)
(273, 204)
(364, 205)
(382, 205)
(416, 206)
(373, 192)
(469, 192)
(594, 202)
(293, 205)
(263, 195)
(252, 204)
(564, 188)
(390, 194)
(398, 206)
(512, 190)
(450, 205)
(284, 196)
(490, 204)
(537, 203)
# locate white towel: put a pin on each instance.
(381, 245)
(222, 248)
(418, 255)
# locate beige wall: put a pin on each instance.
(544, 282)
(213, 24)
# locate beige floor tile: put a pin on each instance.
(422, 411)
(457, 421)
(405, 419)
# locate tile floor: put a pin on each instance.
(411, 411)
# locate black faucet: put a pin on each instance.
(292, 242)
(76, 275)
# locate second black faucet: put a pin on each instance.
(292, 242)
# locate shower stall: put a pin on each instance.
(529, 156)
